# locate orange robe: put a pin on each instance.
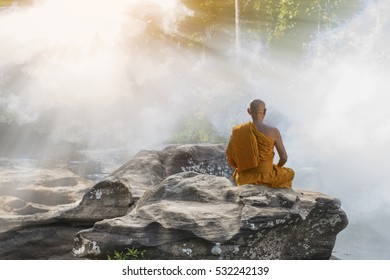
(251, 153)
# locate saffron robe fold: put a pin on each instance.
(251, 153)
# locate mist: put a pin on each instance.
(103, 82)
(94, 80)
(341, 124)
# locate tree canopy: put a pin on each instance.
(265, 20)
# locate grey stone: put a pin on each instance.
(202, 210)
(32, 201)
(177, 203)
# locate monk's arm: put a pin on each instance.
(280, 148)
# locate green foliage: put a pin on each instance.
(259, 19)
(128, 254)
(264, 20)
(280, 17)
(325, 11)
(195, 128)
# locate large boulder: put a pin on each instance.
(113, 196)
(199, 215)
(176, 203)
(41, 209)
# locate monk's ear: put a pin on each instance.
(249, 111)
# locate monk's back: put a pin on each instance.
(251, 151)
(265, 129)
(265, 145)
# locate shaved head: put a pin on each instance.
(256, 105)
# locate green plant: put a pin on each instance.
(128, 254)
(195, 128)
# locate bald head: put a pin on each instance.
(256, 106)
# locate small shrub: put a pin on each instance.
(128, 254)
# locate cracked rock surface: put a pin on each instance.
(194, 213)
(174, 203)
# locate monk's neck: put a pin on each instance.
(259, 124)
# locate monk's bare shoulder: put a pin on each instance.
(271, 131)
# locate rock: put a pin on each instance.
(124, 187)
(205, 159)
(215, 219)
(45, 187)
(32, 201)
(177, 203)
(216, 250)
(52, 241)
(57, 200)
(105, 200)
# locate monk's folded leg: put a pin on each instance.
(283, 177)
(288, 176)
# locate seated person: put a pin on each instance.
(251, 152)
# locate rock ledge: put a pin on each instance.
(185, 207)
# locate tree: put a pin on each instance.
(265, 20)
(325, 10)
(237, 25)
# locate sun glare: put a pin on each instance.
(79, 44)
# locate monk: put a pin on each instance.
(251, 152)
